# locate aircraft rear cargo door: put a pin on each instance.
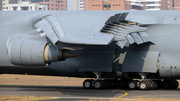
(141, 61)
(96, 61)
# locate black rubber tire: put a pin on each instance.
(106, 84)
(98, 84)
(159, 84)
(166, 84)
(112, 84)
(116, 84)
(172, 84)
(176, 84)
(87, 84)
(122, 84)
(155, 84)
(144, 85)
(132, 84)
(151, 85)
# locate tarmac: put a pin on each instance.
(71, 93)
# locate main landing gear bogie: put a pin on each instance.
(100, 84)
(131, 84)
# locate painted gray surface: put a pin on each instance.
(169, 65)
(141, 61)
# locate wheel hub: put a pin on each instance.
(165, 84)
(97, 84)
(131, 85)
(143, 85)
(87, 84)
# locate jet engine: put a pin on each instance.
(28, 52)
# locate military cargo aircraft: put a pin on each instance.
(126, 49)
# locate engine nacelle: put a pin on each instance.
(27, 52)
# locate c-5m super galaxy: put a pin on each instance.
(126, 49)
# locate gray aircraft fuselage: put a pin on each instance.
(162, 28)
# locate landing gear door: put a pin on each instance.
(141, 61)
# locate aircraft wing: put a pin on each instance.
(92, 29)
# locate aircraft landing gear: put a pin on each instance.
(170, 84)
(98, 84)
(88, 84)
(133, 84)
(144, 84)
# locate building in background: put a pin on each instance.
(24, 6)
(62, 4)
(52, 4)
(176, 5)
(86, 4)
(152, 4)
(109, 5)
(102, 4)
(75, 4)
(4, 2)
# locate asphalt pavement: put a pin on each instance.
(70, 93)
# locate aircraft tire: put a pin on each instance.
(115, 83)
(159, 84)
(176, 84)
(112, 83)
(152, 85)
(155, 84)
(172, 84)
(122, 84)
(98, 84)
(144, 85)
(106, 83)
(132, 84)
(87, 84)
(165, 84)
